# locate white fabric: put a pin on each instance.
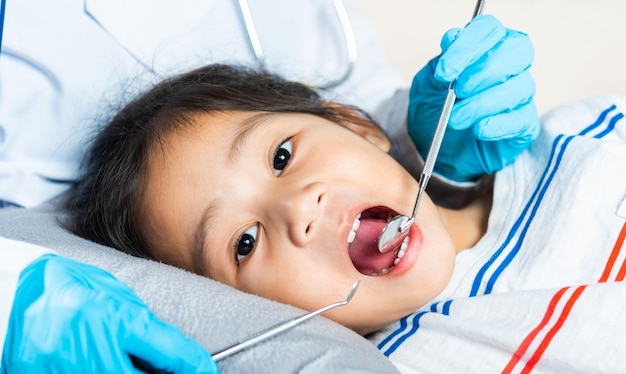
(543, 288)
(14, 257)
(65, 62)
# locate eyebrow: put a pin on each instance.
(248, 127)
(205, 227)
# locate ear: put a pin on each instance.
(369, 130)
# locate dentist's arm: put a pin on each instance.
(68, 316)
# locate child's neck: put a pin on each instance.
(469, 224)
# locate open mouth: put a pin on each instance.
(363, 243)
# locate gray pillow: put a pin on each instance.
(213, 314)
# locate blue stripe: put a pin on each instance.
(403, 324)
(611, 126)
(479, 276)
(538, 192)
(520, 240)
(481, 273)
(446, 308)
(2, 7)
(599, 120)
(433, 307)
(398, 343)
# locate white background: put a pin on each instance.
(580, 46)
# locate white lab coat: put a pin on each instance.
(66, 63)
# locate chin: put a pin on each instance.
(366, 330)
(365, 327)
(365, 316)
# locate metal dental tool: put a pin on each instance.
(281, 327)
(397, 229)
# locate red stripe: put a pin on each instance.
(613, 257)
(618, 244)
(533, 334)
(554, 330)
(521, 350)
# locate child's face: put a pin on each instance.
(268, 202)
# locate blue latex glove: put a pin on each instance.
(73, 317)
(494, 118)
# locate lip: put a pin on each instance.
(416, 240)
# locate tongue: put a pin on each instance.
(364, 249)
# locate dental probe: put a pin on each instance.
(281, 327)
(397, 229)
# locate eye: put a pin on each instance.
(282, 157)
(245, 244)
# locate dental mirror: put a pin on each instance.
(397, 229)
(281, 327)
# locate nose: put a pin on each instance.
(296, 208)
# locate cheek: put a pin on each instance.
(438, 262)
(304, 280)
(295, 289)
(438, 255)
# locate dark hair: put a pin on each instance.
(103, 204)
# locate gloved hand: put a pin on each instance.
(494, 118)
(73, 317)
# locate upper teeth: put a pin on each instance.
(355, 226)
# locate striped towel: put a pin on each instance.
(543, 290)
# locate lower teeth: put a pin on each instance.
(403, 247)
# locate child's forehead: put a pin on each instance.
(218, 126)
(231, 133)
(240, 126)
(224, 132)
